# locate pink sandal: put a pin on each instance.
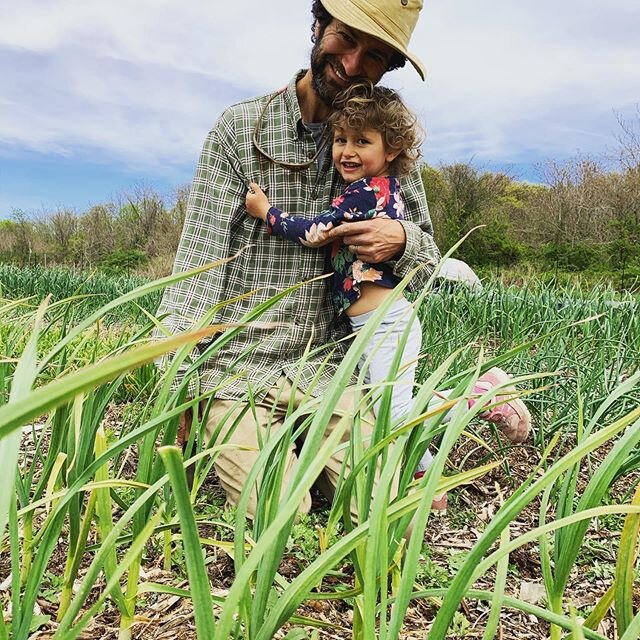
(510, 414)
(439, 503)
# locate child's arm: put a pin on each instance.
(309, 233)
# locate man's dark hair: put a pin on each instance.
(323, 18)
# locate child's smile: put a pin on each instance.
(360, 154)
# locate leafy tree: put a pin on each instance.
(97, 235)
(6, 239)
(625, 248)
(61, 227)
(23, 238)
(460, 198)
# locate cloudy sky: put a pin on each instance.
(100, 97)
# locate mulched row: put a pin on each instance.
(471, 508)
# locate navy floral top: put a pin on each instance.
(363, 199)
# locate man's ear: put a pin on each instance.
(316, 31)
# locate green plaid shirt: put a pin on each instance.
(217, 226)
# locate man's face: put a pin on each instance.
(343, 56)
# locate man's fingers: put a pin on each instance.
(343, 230)
(359, 232)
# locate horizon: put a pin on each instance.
(100, 99)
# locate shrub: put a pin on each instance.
(492, 246)
(124, 261)
(579, 256)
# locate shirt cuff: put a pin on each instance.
(407, 260)
(272, 214)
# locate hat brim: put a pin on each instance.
(355, 18)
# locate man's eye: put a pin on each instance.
(378, 59)
(348, 38)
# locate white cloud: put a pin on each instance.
(142, 80)
(519, 74)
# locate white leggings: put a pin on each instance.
(379, 353)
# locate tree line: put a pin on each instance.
(585, 216)
(137, 232)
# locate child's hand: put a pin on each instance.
(257, 202)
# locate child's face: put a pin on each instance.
(360, 154)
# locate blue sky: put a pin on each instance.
(98, 98)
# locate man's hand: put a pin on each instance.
(257, 202)
(375, 240)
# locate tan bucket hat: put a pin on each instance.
(391, 21)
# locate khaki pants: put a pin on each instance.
(233, 465)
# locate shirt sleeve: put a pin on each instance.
(216, 198)
(298, 229)
(354, 204)
(420, 248)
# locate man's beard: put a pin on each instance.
(323, 89)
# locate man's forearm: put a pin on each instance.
(420, 249)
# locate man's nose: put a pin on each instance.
(352, 63)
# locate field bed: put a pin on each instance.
(104, 538)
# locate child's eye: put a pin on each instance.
(338, 140)
(363, 141)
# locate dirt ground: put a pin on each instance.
(447, 538)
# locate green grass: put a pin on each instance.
(91, 290)
(111, 503)
(588, 359)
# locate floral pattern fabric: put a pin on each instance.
(367, 198)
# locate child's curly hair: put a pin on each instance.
(366, 106)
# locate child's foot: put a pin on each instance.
(439, 503)
(510, 414)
